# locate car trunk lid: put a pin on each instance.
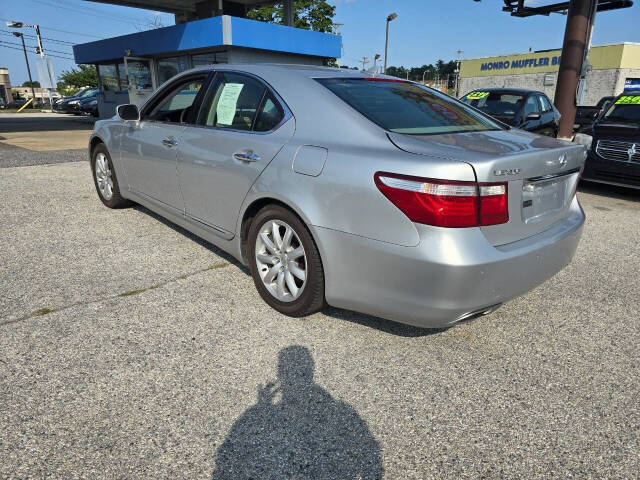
(541, 173)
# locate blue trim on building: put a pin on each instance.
(207, 33)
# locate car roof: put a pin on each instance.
(523, 91)
(311, 71)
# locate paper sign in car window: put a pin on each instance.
(227, 104)
(477, 95)
(628, 100)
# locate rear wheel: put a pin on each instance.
(104, 178)
(285, 262)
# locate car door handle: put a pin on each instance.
(246, 156)
(169, 142)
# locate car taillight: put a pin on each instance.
(446, 203)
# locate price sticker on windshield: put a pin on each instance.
(628, 100)
(477, 95)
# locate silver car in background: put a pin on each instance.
(336, 187)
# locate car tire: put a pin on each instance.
(266, 255)
(105, 180)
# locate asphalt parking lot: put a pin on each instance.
(131, 349)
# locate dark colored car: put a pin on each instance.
(526, 109)
(74, 105)
(614, 157)
(62, 105)
(586, 115)
(89, 106)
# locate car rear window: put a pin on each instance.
(404, 107)
(495, 103)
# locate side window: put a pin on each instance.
(531, 105)
(545, 104)
(232, 102)
(176, 105)
(270, 114)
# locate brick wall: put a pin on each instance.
(600, 83)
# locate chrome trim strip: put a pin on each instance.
(553, 175)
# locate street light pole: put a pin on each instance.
(391, 17)
(41, 51)
(26, 59)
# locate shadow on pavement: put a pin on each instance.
(306, 434)
(35, 123)
(386, 326)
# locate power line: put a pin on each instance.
(84, 11)
(80, 34)
(34, 46)
(20, 49)
(44, 38)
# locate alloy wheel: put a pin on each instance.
(103, 176)
(281, 260)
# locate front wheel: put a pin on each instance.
(285, 263)
(104, 178)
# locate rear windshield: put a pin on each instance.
(495, 103)
(625, 109)
(403, 107)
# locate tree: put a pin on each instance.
(34, 84)
(314, 15)
(85, 76)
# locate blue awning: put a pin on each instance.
(208, 33)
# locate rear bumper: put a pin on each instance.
(451, 273)
(611, 172)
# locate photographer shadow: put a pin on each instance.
(307, 434)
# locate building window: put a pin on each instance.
(169, 67)
(108, 78)
(208, 58)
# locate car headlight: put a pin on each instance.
(93, 102)
(74, 102)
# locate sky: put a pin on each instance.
(425, 30)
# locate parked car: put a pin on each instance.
(369, 193)
(74, 106)
(614, 157)
(586, 115)
(526, 109)
(62, 105)
(89, 106)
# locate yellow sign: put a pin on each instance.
(477, 95)
(628, 100)
(623, 55)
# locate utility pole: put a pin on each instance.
(579, 17)
(364, 61)
(336, 31)
(26, 59)
(40, 50)
(459, 53)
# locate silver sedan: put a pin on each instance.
(363, 192)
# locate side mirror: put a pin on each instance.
(533, 116)
(128, 112)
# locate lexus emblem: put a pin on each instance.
(562, 161)
(631, 152)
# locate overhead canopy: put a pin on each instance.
(211, 32)
(186, 10)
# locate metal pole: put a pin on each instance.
(26, 59)
(586, 66)
(386, 48)
(37, 27)
(575, 41)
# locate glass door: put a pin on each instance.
(139, 79)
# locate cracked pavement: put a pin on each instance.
(131, 349)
